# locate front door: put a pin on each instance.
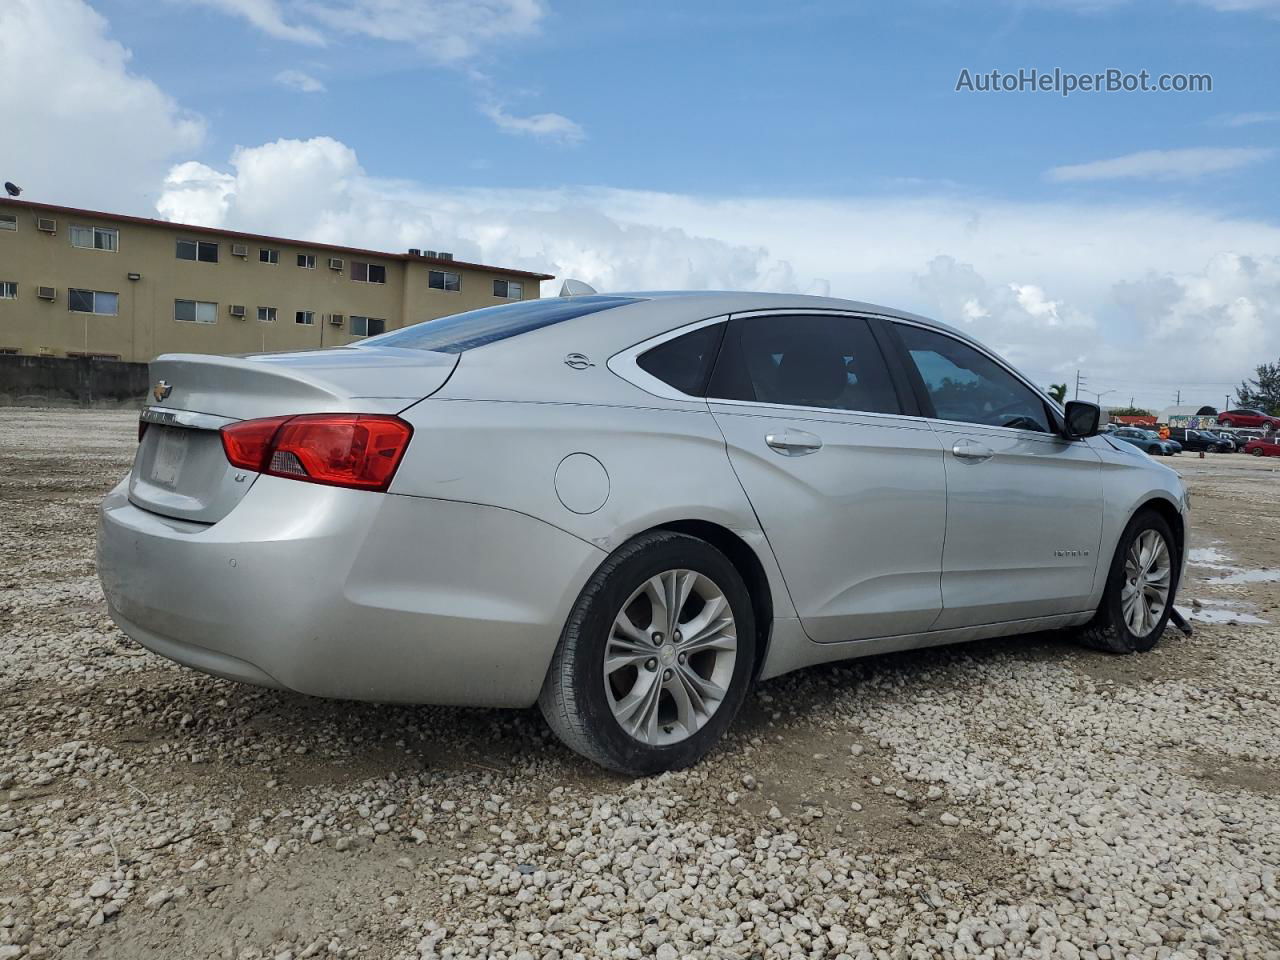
(850, 493)
(1024, 505)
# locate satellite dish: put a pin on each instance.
(576, 288)
(11, 188)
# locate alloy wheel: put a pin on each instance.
(1148, 575)
(670, 657)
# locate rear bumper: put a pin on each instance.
(343, 593)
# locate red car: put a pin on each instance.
(1269, 447)
(1248, 417)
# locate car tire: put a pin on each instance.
(1257, 451)
(587, 707)
(1227, 423)
(1111, 629)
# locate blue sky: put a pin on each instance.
(811, 146)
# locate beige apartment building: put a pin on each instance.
(79, 282)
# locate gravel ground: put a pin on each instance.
(1019, 798)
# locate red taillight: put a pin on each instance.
(340, 449)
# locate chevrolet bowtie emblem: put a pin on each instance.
(162, 390)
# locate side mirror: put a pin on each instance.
(1082, 419)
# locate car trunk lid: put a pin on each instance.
(180, 469)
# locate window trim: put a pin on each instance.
(624, 364)
(351, 327)
(368, 265)
(93, 246)
(94, 312)
(1055, 412)
(9, 218)
(217, 257)
(310, 263)
(269, 250)
(9, 283)
(445, 273)
(304, 323)
(196, 304)
(271, 319)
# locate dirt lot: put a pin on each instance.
(1015, 798)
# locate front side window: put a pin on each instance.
(305, 317)
(8, 290)
(368, 272)
(444, 280)
(809, 360)
(267, 314)
(195, 311)
(307, 261)
(684, 362)
(202, 250)
(266, 255)
(93, 301)
(367, 326)
(967, 386)
(95, 238)
(508, 289)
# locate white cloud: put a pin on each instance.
(268, 17)
(545, 126)
(1248, 119)
(78, 126)
(1186, 164)
(297, 80)
(1053, 286)
(448, 31)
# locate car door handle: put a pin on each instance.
(972, 452)
(794, 443)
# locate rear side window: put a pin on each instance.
(967, 386)
(685, 362)
(805, 361)
(475, 328)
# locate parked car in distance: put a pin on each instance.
(1232, 443)
(626, 509)
(1197, 441)
(1266, 447)
(1248, 417)
(1147, 441)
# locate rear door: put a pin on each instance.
(848, 487)
(1024, 505)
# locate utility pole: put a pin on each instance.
(1178, 399)
(1079, 380)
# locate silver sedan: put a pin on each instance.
(625, 509)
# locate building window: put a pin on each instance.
(9, 351)
(306, 317)
(195, 311)
(8, 221)
(367, 326)
(93, 301)
(307, 261)
(444, 280)
(203, 250)
(508, 289)
(8, 290)
(95, 238)
(267, 314)
(368, 272)
(268, 256)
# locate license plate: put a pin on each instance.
(171, 451)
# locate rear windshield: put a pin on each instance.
(475, 328)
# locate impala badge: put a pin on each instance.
(162, 390)
(577, 361)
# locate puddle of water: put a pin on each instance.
(1247, 576)
(1219, 615)
(1209, 557)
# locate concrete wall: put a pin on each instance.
(71, 380)
(145, 324)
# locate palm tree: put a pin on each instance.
(1058, 391)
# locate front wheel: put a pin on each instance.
(1141, 585)
(655, 659)
(1227, 423)
(1257, 451)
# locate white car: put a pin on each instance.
(626, 509)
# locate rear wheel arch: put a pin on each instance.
(747, 563)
